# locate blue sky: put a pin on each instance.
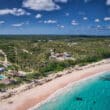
(76, 17)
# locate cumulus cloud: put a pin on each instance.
(108, 2)
(98, 26)
(14, 11)
(85, 18)
(62, 26)
(50, 21)
(18, 25)
(97, 20)
(74, 23)
(67, 14)
(62, 1)
(43, 5)
(107, 19)
(38, 16)
(2, 22)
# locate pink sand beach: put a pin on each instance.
(36, 95)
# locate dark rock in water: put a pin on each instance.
(105, 78)
(94, 102)
(79, 98)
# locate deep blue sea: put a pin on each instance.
(90, 94)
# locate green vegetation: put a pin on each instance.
(31, 54)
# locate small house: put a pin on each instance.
(61, 56)
(2, 69)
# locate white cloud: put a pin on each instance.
(2, 22)
(108, 2)
(14, 11)
(50, 21)
(62, 1)
(98, 26)
(74, 23)
(18, 25)
(67, 14)
(85, 18)
(38, 16)
(43, 5)
(62, 26)
(107, 19)
(97, 20)
(46, 5)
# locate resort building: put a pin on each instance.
(61, 56)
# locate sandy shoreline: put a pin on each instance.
(30, 98)
(52, 96)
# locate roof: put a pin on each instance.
(2, 69)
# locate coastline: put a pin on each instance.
(31, 97)
(64, 88)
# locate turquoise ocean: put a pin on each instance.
(90, 94)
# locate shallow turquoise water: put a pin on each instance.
(2, 77)
(91, 94)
